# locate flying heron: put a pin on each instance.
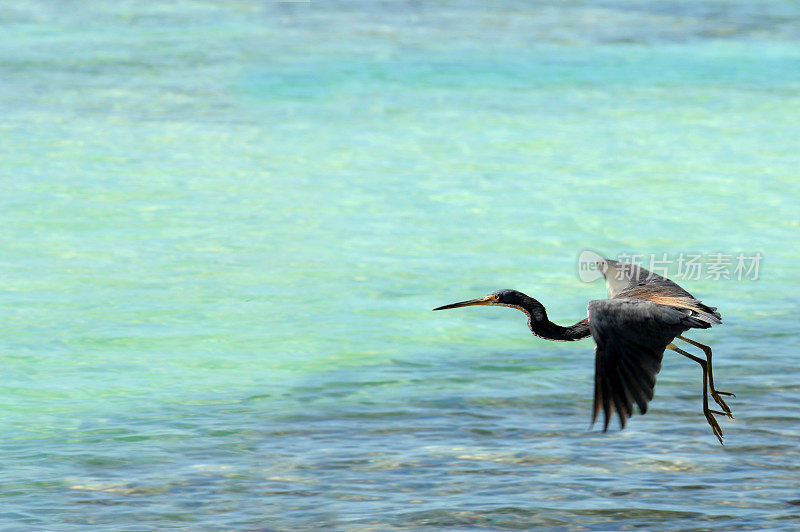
(644, 314)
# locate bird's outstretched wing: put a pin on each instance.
(624, 279)
(631, 335)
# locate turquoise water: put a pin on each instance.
(225, 225)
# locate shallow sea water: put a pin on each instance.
(224, 226)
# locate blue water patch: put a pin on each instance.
(225, 225)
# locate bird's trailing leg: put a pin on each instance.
(714, 392)
(706, 411)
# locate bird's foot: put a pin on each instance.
(716, 396)
(714, 425)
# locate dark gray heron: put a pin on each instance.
(644, 314)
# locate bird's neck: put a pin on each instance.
(542, 327)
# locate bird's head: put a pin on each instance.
(505, 298)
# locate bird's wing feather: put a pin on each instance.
(674, 296)
(631, 335)
(624, 279)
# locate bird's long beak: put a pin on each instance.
(485, 300)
